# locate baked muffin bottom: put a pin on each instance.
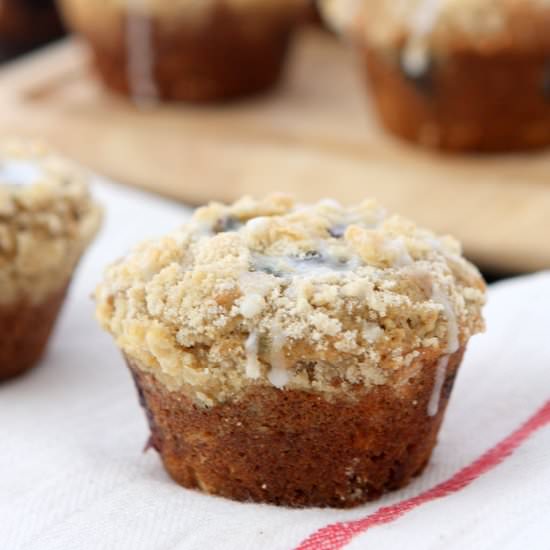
(228, 55)
(26, 328)
(297, 448)
(498, 101)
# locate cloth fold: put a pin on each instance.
(72, 473)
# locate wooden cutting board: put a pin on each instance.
(316, 136)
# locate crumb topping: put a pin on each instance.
(444, 24)
(182, 9)
(271, 292)
(47, 218)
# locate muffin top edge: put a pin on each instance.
(445, 26)
(266, 291)
(47, 218)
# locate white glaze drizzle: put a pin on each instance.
(401, 253)
(251, 305)
(20, 173)
(325, 264)
(141, 57)
(453, 345)
(440, 373)
(299, 268)
(278, 375)
(341, 14)
(452, 325)
(415, 57)
(252, 364)
(425, 17)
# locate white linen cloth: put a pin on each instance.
(73, 474)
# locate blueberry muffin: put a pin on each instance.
(456, 74)
(313, 15)
(297, 355)
(27, 23)
(47, 218)
(187, 50)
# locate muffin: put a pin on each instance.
(47, 218)
(187, 50)
(296, 355)
(456, 74)
(25, 24)
(313, 15)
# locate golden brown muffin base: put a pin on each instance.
(468, 101)
(227, 57)
(25, 329)
(296, 448)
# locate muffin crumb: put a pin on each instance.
(47, 218)
(273, 297)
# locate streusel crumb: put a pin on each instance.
(301, 297)
(444, 24)
(47, 218)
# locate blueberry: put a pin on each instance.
(265, 268)
(313, 255)
(227, 223)
(154, 441)
(448, 386)
(271, 271)
(337, 232)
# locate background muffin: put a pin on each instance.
(457, 74)
(313, 15)
(47, 218)
(294, 355)
(27, 23)
(185, 50)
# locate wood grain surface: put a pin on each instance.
(315, 136)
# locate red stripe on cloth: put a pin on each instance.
(337, 535)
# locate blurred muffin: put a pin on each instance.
(27, 23)
(298, 355)
(456, 74)
(47, 218)
(313, 15)
(187, 50)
